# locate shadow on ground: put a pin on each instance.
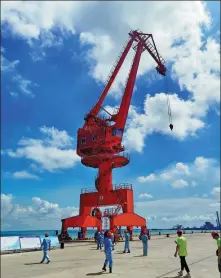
(31, 263)
(172, 277)
(163, 275)
(96, 273)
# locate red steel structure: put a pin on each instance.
(100, 146)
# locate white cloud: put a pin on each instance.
(188, 218)
(57, 138)
(145, 196)
(193, 183)
(6, 204)
(216, 192)
(179, 183)
(24, 175)
(6, 65)
(52, 153)
(217, 111)
(201, 163)
(25, 86)
(216, 205)
(182, 168)
(36, 215)
(13, 94)
(195, 59)
(148, 178)
(186, 211)
(199, 172)
(39, 212)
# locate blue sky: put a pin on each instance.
(55, 60)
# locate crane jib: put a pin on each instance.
(136, 39)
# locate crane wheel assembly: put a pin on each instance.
(99, 144)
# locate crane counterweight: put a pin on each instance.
(99, 145)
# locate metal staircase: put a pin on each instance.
(117, 60)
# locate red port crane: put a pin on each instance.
(99, 145)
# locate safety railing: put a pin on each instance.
(88, 190)
(125, 154)
(125, 186)
(109, 211)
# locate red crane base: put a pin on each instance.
(90, 200)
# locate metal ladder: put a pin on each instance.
(117, 60)
(154, 52)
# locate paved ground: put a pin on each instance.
(82, 260)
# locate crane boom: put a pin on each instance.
(139, 38)
(95, 110)
(125, 103)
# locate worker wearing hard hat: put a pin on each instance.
(215, 236)
(181, 250)
(99, 240)
(127, 242)
(144, 238)
(108, 245)
(46, 245)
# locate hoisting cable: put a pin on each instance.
(168, 105)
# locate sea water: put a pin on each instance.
(74, 232)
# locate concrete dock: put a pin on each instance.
(82, 260)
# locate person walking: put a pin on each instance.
(216, 236)
(99, 239)
(144, 238)
(181, 250)
(108, 245)
(46, 246)
(127, 242)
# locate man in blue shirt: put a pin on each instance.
(108, 245)
(99, 240)
(46, 245)
(127, 242)
(144, 238)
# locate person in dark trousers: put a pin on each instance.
(181, 250)
(215, 236)
(144, 238)
(99, 241)
(127, 242)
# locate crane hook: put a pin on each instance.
(171, 127)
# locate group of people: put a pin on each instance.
(107, 240)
